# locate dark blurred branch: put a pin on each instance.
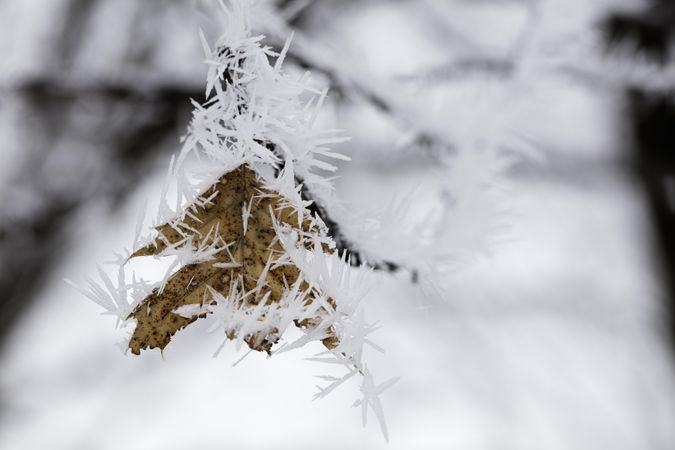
(75, 23)
(293, 10)
(67, 87)
(651, 32)
(652, 116)
(124, 145)
(463, 69)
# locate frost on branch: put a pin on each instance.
(253, 252)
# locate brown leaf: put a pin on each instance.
(218, 214)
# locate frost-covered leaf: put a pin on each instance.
(241, 249)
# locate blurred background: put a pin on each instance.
(558, 337)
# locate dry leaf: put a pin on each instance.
(244, 248)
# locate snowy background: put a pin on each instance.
(552, 339)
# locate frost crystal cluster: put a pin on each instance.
(251, 250)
